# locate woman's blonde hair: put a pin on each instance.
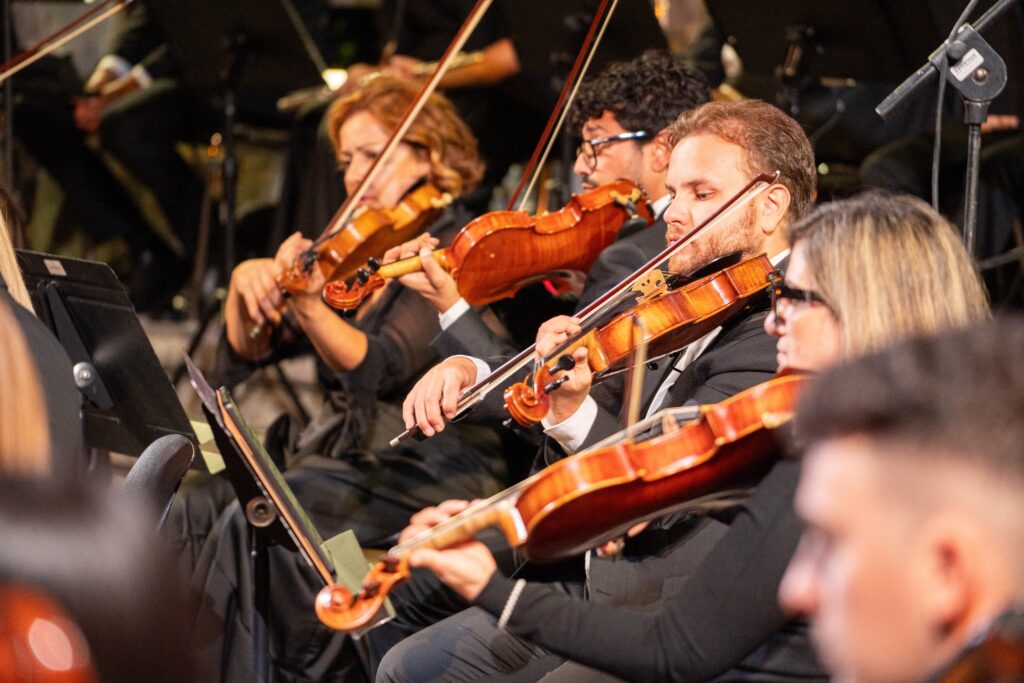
(455, 164)
(24, 430)
(890, 267)
(9, 269)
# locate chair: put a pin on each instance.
(155, 476)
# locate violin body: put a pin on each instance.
(995, 656)
(520, 249)
(370, 234)
(498, 253)
(588, 498)
(670, 321)
(579, 502)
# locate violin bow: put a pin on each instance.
(560, 111)
(96, 15)
(605, 303)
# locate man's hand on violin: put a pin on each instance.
(253, 282)
(465, 567)
(567, 398)
(433, 282)
(435, 397)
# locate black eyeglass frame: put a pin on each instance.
(779, 290)
(594, 143)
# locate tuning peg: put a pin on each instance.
(373, 264)
(565, 362)
(556, 383)
(362, 277)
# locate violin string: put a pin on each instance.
(525, 194)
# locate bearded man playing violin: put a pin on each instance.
(716, 150)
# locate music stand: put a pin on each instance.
(130, 401)
(273, 513)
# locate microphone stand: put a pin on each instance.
(978, 74)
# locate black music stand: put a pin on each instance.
(129, 400)
(273, 513)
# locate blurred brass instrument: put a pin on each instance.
(336, 79)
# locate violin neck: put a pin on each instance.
(412, 264)
(499, 512)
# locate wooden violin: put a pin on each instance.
(39, 642)
(370, 233)
(994, 656)
(498, 253)
(671, 319)
(585, 499)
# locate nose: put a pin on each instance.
(773, 324)
(677, 216)
(581, 167)
(798, 592)
(354, 174)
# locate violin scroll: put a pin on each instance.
(529, 404)
(346, 297)
(338, 608)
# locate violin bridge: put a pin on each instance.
(652, 285)
(669, 424)
(626, 199)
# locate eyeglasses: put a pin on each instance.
(588, 148)
(780, 292)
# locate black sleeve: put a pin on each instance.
(469, 335)
(398, 348)
(719, 617)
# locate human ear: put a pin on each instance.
(660, 152)
(949, 572)
(774, 205)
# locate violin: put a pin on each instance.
(498, 253)
(994, 656)
(371, 232)
(39, 641)
(585, 499)
(670, 320)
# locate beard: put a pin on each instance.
(742, 235)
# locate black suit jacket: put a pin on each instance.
(741, 356)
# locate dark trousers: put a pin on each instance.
(469, 646)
